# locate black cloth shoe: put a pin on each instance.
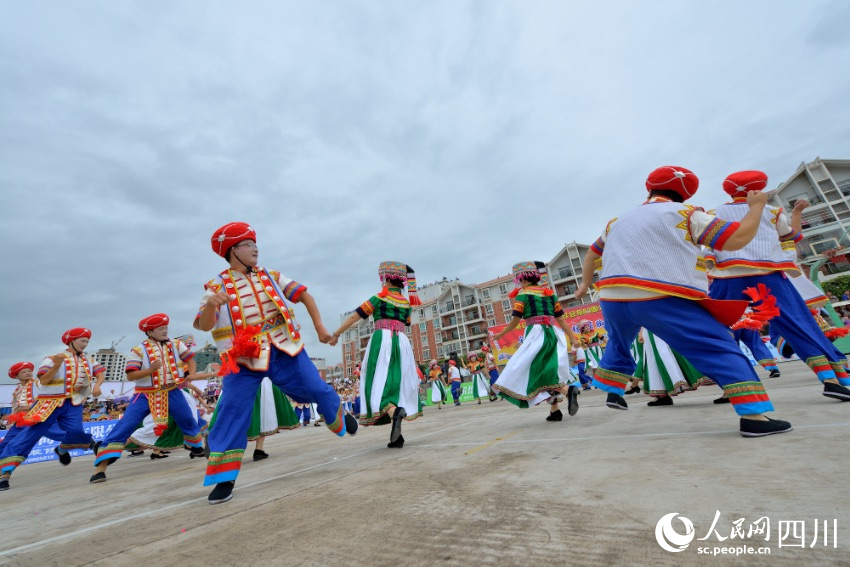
(64, 458)
(4, 484)
(155, 456)
(555, 416)
(136, 453)
(398, 416)
(397, 444)
(836, 391)
(775, 373)
(351, 424)
(722, 400)
(222, 492)
(661, 401)
(197, 453)
(616, 402)
(631, 391)
(259, 455)
(754, 428)
(97, 477)
(206, 448)
(572, 400)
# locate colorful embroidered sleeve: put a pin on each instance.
(786, 232)
(708, 230)
(46, 365)
(292, 290)
(365, 311)
(97, 368)
(599, 245)
(559, 311)
(134, 361)
(184, 351)
(519, 305)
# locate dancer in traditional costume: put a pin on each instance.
(593, 342)
(389, 383)
(763, 262)
(540, 368)
(156, 368)
(257, 336)
(651, 278)
(438, 388)
(480, 384)
(761, 354)
(272, 412)
(492, 369)
(454, 381)
(66, 381)
(23, 398)
(161, 444)
(664, 372)
(581, 366)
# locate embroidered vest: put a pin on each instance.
(168, 354)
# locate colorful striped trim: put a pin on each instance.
(111, 451)
(133, 366)
(612, 379)
(366, 309)
(598, 246)
(820, 366)
(9, 464)
(717, 233)
(223, 467)
(188, 355)
(748, 397)
(338, 425)
(839, 368)
(194, 440)
(666, 288)
(293, 291)
(758, 264)
(793, 236)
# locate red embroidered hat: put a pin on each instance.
(77, 333)
(738, 183)
(153, 321)
(673, 178)
(231, 234)
(18, 366)
(453, 363)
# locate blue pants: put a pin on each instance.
(112, 446)
(795, 322)
(456, 391)
(296, 376)
(752, 340)
(68, 417)
(54, 434)
(494, 375)
(583, 378)
(689, 330)
(786, 349)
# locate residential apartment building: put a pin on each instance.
(206, 356)
(825, 183)
(454, 316)
(114, 362)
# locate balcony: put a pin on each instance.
(565, 273)
(469, 300)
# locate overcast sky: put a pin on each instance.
(459, 137)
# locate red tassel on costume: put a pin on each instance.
(548, 291)
(837, 333)
(514, 293)
(760, 314)
(19, 419)
(243, 345)
(384, 292)
(160, 428)
(413, 299)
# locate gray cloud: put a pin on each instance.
(457, 137)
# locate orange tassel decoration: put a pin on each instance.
(760, 314)
(514, 293)
(19, 419)
(244, 344)
(160, 429)
(384, 292)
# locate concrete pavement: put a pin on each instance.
(478, 484)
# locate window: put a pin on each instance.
(421, 313)
(423, 327)
(469, 299)
(491, 322)
(489, 309)
(449, 306)
(436, 323)
(348, 358)
(508, 317)
(426, 354)
(439, 352)
(506, 305)
(424, 339)
(564, 273)
(503, 289)
(433, 310)
(485, 294)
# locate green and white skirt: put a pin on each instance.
(594, 356)
(664, 371)
(171, 438)
(480, 385)
(438, 392)
(540, 364)
(388, 376)
(271, 413)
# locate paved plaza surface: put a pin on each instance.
(474, 485)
